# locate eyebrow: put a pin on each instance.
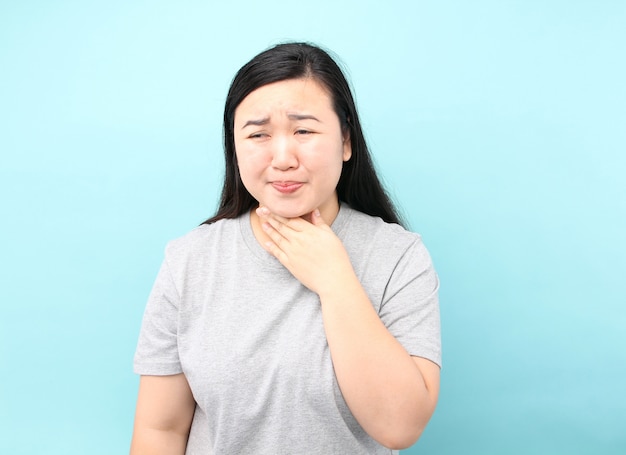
(259, 122)
(302, 117)
(266, 120)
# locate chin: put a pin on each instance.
(288, 212)
(291, 213)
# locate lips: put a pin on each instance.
(287, 186)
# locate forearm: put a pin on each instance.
(391, 394)
(380, 381)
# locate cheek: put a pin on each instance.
(334, 164)
(246, 174)
(250, 171)
(249, 167)
(244, 159)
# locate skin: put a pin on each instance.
(290, 149)
(391, 394)
(287, 132)
(165, 408)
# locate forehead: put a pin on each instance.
(288, 95)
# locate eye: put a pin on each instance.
(258, 135)
(303, 132)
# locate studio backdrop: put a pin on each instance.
(499, 128)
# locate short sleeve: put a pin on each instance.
(157, 349)
(410, 304)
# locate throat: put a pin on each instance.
(257, 229)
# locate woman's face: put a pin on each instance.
(290, 148)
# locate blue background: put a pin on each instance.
(499, 127)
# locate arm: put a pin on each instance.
(391, 394)
(165, 408)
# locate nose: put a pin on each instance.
(284, 154)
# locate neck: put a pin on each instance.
(328, 215)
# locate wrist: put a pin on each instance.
(342, 288)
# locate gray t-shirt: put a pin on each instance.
(250, 339)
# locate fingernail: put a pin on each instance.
(262, 211)
(317, 212)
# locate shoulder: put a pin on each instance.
(366, 229)
(384, 247)
(201, 240)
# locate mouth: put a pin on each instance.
(287, 187)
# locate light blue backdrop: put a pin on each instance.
(500, 127)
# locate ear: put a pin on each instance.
(347, 146)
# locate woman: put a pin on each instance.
(301, 318)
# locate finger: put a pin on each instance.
(273, 232)
(318, 221)
(316, 218)
(262, 212)
(275, 251)
(265, 214)
(279, 222)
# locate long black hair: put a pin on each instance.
(358, 185)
